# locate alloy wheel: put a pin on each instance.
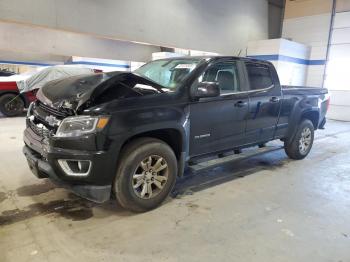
(150, 177)
(305, 140)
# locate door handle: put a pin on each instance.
(274, 99)
(241, 104)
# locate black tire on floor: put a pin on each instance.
(293, 148)
(11, 105)
(131, 157)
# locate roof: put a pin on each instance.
(214, 57)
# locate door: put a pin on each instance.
(219, 123)
(264, 102)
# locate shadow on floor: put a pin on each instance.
(194, 182)
(75, 208)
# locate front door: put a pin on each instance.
(219, 123)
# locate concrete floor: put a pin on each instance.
(265, 208)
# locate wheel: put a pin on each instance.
(146, 174)
(262, 145)
(11, 105)
(300, 146)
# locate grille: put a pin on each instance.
(51, 111)
(40, 131)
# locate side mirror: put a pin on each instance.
(206, 89)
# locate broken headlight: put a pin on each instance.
(81, 125)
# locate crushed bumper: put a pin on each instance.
(42, 168)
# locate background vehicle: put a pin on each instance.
(18, 91)
(5, 72)
(132, 134)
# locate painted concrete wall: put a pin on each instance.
(32, 43)
(338, 70)
(275, 16)
(309, 22)
(223, 26)
(289, 58)
(302, 8)
(343, 5)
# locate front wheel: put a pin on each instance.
(146, 174)
(11, 105)
(299, 147)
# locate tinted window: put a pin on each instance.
(259, 76)
(226, 74)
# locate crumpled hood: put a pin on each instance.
(74, 91)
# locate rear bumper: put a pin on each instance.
(42, 169)
(322, 124)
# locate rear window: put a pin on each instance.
(259, 76)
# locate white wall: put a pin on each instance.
(223, 26)
(30, 43)
(312, 31)
(309, 22)
(338, 67)
(288, 58)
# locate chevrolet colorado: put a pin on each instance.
(132, 134)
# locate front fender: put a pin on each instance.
(129, 123)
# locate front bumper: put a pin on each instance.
(42, 155)
(42, 169)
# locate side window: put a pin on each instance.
(226, 74)
(259, 76)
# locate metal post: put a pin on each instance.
(329, 40)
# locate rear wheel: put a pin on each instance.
(11, 105)
(146, 174)
(299, 147)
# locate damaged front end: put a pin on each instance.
(80, 92)
(69, 97)
(67, 143)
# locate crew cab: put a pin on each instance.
(131, 134)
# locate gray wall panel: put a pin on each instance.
(223, 26)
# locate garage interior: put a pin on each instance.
(258, 206)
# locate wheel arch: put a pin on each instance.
(171, 136)
(313, 116)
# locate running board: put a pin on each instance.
(234, 157)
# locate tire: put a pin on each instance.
(11, 105)
(131, 172)
(299, 147)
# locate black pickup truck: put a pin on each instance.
(132, 134)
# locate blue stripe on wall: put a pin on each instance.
(288, 59)
(98, 64)
(25, 63)
(68, 63)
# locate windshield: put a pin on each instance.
(169, 72)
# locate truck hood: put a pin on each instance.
(75, 91)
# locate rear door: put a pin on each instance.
(219, 123)
(265, 98)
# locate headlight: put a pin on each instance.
(81, 125)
